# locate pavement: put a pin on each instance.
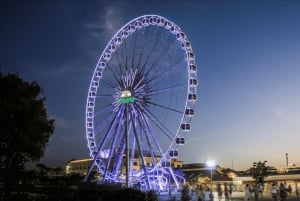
(236, 196)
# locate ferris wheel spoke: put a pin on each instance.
(105, 136)
(140, 55)
(108, 133)
(154, 63)
(132, 62)
(139, 61)
(119, 62)
(169, 89)
(158, 124)
(139, 149)
(119, 156)
(111, 132)
(154, 137)
(164, 53)
(107, 83)
(105, 108)
(154, 45)
(126, 56)
(102, 125)
(149, 137)
(146, 41)
(112, 147)
(135, 39)
(158, 76)
(165, 107)
(150, 51)
(100, 112)
(103, 96)
(117, 78)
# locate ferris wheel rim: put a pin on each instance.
(190, 61)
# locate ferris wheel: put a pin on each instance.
(140, 104)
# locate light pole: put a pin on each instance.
(211, 164)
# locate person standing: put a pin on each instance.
(247, 191)
(226, 191)
(274, 191)
(256, 191)
(207, 194)
(185, 193)
(200, 193)
(219, 190)
(297, 191)
(230, 191)
(261, 189)
(282, 192)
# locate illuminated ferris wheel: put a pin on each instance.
(140, 104)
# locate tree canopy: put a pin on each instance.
(259, 171)
(25, 125)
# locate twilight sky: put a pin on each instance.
(247, 53)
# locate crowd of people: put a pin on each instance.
(279, 192)
(205, 193)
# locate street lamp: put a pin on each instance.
(211, 164)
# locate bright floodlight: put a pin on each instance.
(211, 163)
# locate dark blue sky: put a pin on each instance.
(248, 54)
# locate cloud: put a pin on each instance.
(106, 25)
(98, 32)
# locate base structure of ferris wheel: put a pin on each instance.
(162, 179)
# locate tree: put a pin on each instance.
(259, 171)
(25, 126)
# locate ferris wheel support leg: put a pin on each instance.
(140, 154)
(85, 179)
(174, 177)
(127, 146)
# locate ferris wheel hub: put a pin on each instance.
(125, 94)
(126, 97)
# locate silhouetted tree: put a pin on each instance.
(25, 126)
(259, 171)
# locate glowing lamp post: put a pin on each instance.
(211, 164)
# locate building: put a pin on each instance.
(199, 173)
(78, 166)
(289, 175)
(82, 166)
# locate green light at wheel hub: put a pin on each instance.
(126, 97)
